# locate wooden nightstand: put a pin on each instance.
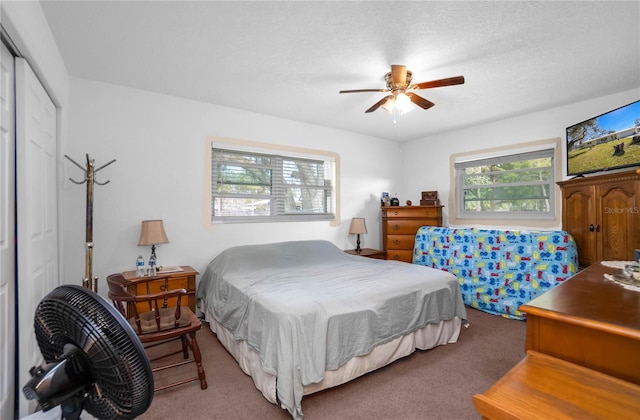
(368, 252)
(185, 279)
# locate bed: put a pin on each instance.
(304, 316)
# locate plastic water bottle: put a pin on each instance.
(140, 266)
(152, 265)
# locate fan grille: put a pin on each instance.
(123, 380)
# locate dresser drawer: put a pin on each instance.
(403, 227)
(434, 212)
(400, 255)
(185, 279)
(163, 285)
(400, 241)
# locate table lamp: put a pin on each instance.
(357, 227)
(152, 233)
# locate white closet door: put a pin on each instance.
(7, 235)
(37, 213)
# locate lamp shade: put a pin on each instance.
(358, 225)
(152, 233)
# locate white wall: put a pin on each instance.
(425, 162)
(158, 142)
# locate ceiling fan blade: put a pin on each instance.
(420, 101)
(398, 74)
(379, 103)
(363, 90)
(458, 80)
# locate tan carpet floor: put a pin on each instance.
(433, 384)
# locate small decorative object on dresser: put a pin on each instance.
(430, 198)
(384, 200)
(368, 252)
(399, 227)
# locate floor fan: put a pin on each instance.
(93, 359)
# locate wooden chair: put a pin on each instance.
(160, 324)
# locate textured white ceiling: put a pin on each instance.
(289, 59)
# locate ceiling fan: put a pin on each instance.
(399, 84)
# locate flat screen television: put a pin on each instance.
(608, 141)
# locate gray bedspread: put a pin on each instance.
(306, 306)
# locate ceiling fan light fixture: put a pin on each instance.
(403, 103)
(388, 105)
(399, 82)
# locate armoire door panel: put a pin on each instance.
(602, 213)
(579, 220)
(617, 212)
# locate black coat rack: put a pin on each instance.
(89, 281)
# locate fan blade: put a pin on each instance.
(419, 100)
(379, 103)
(398, 74)
(363, 90)
(458, 80)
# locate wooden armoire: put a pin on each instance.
(602, 213)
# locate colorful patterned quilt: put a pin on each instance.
(498, 270)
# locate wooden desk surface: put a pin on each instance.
(187, 270)
(588, 299)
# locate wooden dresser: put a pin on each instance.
(399, 227)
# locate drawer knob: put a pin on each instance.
(396, 242)
(395, 213)
(396, 227)
(396, 257)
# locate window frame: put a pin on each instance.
(530, 150)
(276, 196)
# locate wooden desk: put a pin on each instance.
(589, 321)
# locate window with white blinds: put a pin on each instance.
(517, 186)
(249, 186)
